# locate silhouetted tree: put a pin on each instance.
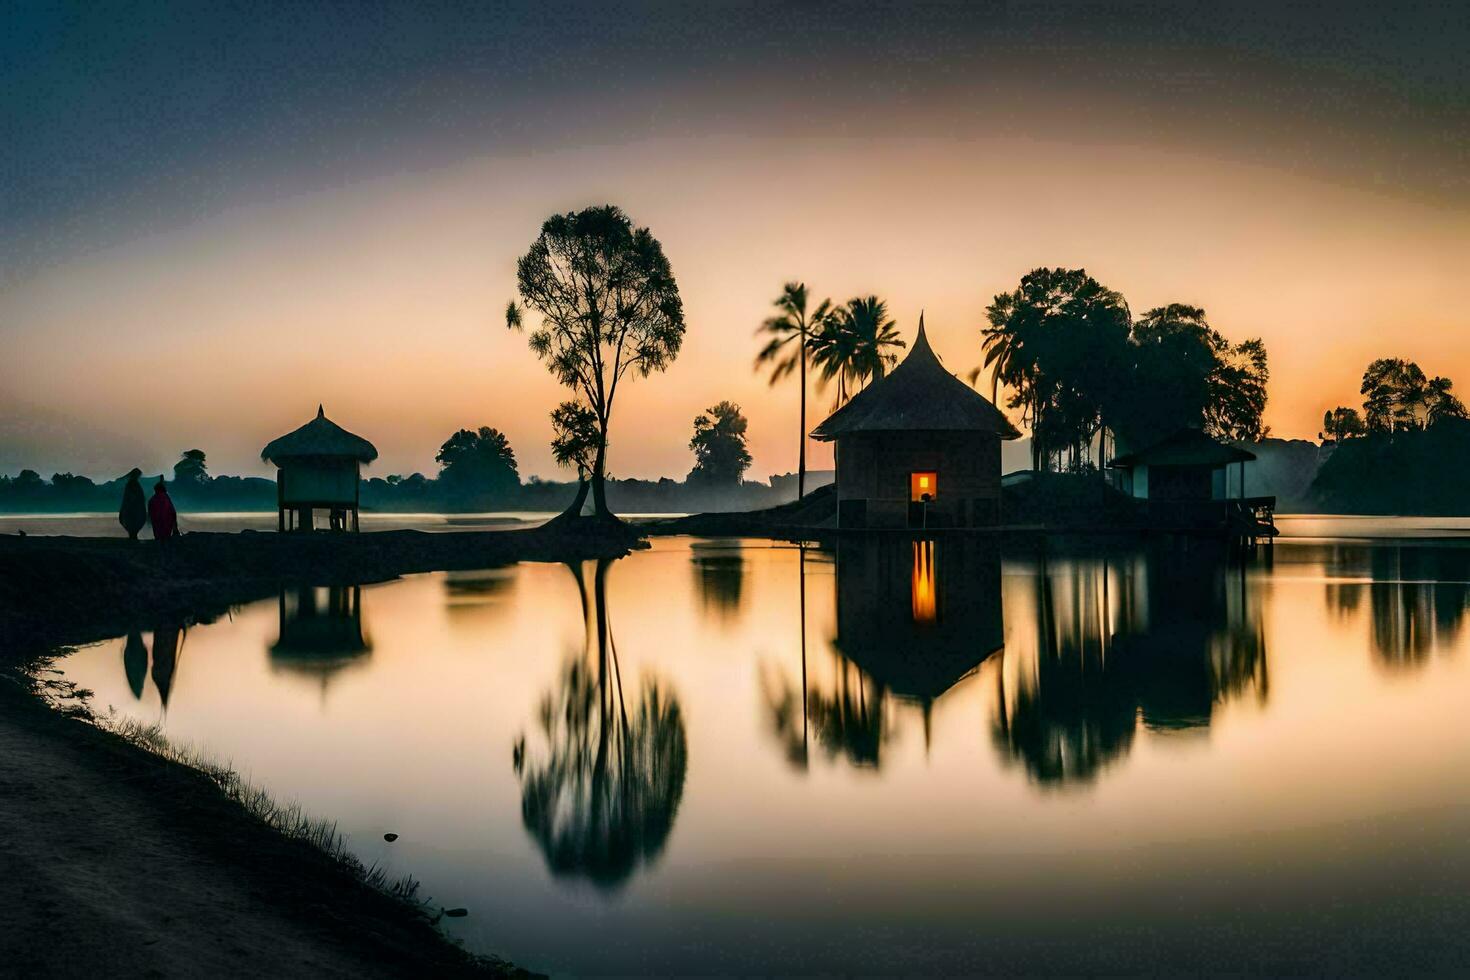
(478, 461)
(1059, 343)
(720, 455)
(190, 468)
(1187, 373)
(609, 307)
(855, 344)
(26, 484)
(1341, 423)
(790, 332)
(574, 443)
(1398, 397)
(68, 483)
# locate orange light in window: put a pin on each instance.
(923, 485)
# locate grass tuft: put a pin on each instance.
(287, 819)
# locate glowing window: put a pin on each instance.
(923, 485)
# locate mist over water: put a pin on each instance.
(737, 756)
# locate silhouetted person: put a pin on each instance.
(134, 511)
(161, 513)
(135, 663)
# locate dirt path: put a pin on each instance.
(113, 861)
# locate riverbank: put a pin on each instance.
(59, 591)
(117, 858)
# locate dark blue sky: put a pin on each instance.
(124, 117)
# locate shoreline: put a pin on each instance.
(134, 862)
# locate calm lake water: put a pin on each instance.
(725, 756)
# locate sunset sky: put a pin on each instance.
(218, 216)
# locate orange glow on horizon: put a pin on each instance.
(383, 299)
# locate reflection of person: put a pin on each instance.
(134, 511)
(161, 513)
(135, 663)
(166, 644)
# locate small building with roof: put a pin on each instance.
(1185, 465)
(318, 467)
(1189, 481)
(917, 448)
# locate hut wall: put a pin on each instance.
(322, 482)
(875, 467)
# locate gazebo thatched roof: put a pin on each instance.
(319, 437)
(1185, 447)
(918, 395)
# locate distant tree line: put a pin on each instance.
(1406, 452)
(1398, 397)
(478, 471)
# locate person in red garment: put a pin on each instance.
(161, 513)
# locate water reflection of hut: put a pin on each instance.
(319, 467)
(917, 448)
(321, 631)
(918, 616)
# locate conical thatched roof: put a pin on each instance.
(319, 437)
(1185, 447)
(918, 395)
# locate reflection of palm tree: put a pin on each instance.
(850, 720)
(603, 799)
(1077, 714)
(782, 700)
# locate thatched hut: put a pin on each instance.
(917, 448)
(319, 466)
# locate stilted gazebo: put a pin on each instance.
(918, 448)
(318, 466)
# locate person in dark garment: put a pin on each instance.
(161, 513)
(134, 511)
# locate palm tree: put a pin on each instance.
(790, 332)
(854, 346)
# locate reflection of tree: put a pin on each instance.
(602, 800)
(1076, 714)
(1418, 598)
(848, 721)
(719, 571)
(1159, 638)
(1417, 595)
(1342, 564)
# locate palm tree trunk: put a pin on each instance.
(801, 453)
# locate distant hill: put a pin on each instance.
(1414, 473)
(1285, 469)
